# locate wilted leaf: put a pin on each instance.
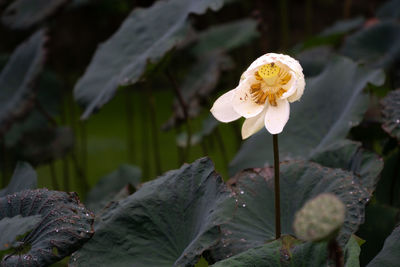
(391, 113)
(22, 14)
(24, 177)
(332, 103)
(64, 227)
(173, 218)
(12, 228)
(121, 60)
(253, 191)
(111, 184)
(17, 78)
(226, 37)
(350, 156)
(377, 45)
(45, 145)
(389, 255)
(198, 85)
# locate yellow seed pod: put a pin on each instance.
(269, 71)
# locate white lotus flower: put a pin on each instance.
(263, 94)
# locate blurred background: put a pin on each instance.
(162, 120)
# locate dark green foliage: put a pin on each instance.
(24, 177)
(225, 37)
(65, 225)
(126, 177)
(199, 83)
(389, 255)
(253, 193)
(12, 228)
(17, 78)
(377, 45)
(350, 156)
(174, 218)
(391, 113)
(23, 14)
(280, 253)
(157, 30)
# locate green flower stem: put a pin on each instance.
(277, 188)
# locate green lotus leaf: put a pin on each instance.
(64, 226)
(122, 61)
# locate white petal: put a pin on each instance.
(277, 117)
(242, 102)
(253, 125)
(222, 109)
(300, 84)
(291, 86)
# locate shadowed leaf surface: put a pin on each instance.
(173, 218)
(277, 253)
(64, 227)
(121, 61)
(389, 255)
(389, 10)
(16, 226)
(377, 45)
(199, 83)
(253, 192)
(110, 185)
(226, 37)
(22, 14)
(350, 156)
(17, 78)
(326, 112)
(391, 113)
(45, 145)
(24, 177)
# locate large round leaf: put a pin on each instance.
(17, 78)
(23, 14)
(168, 222)
(391, 114)
(122, 60)
(64, 226)
(332, 103)
(253, 191)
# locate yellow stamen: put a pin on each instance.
(271, 78)
(280, 92)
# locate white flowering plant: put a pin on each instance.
(158, 146)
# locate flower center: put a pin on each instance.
(270, 79)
